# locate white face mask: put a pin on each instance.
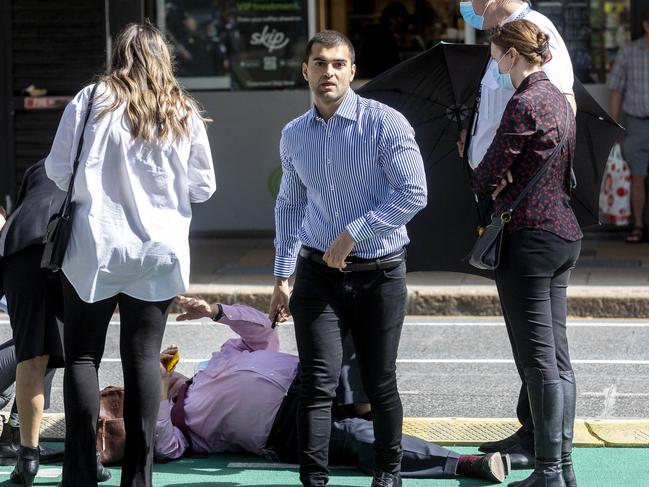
(504, 80)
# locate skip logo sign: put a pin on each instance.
(271, 39)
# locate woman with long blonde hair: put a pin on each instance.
(145, 158)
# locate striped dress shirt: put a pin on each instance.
(360, 170)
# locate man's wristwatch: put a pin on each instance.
(219, 314)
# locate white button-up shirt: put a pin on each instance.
(494, 99)
(131, 222)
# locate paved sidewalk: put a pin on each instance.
(610, 281)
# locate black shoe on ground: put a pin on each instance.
(384, 479)
(9, 443)
(103, 474)
(519, 446)
(49, 455)
(26, 467)
(491, 467)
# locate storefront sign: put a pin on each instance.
(273, 37)
(248, 44)
(45, 102)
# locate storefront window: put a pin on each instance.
(242, 44)
(385, 32)
(611, 30)
(593, 32)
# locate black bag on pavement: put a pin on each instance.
(59, 227)
(486, 251)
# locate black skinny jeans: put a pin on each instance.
(142, 326)
(326, 304)
(532, 281)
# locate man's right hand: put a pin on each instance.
(279, 299)
(165, 376)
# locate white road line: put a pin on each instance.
(617, 394)
(433, 324)
(453, 361)
(609, 400)
(510, 361)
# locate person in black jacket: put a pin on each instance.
(33, 302)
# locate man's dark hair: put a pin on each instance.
(645, 15)
(329, 39)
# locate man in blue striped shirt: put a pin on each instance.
(352, 178)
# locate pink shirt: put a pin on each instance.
(232, 403)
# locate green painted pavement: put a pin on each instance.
(595, 467)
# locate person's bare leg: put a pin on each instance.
(638, 198)
(30, 389)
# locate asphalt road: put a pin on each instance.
(453, 366)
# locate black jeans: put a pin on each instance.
(142, 326)
(326, 304)
(532, 280)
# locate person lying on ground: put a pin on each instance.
(245, 400)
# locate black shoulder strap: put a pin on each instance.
(545, 167)
(68, 196)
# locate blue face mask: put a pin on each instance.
(504, 80)
(470, 17)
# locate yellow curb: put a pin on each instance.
(473, 431)
(620, 433)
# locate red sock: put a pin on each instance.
(466, 463)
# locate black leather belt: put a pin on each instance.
(356, 264)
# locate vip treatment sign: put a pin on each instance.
(273, 35)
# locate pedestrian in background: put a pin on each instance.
(145, 158)
(352, 178)
(629, 85)
(542, 240)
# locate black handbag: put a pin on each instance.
(59, 227)
(485, 254)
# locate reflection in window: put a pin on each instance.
(242, 44)
(385, 32)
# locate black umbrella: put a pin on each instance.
(436, 92)
(596, 134)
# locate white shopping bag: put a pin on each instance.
(615, 195)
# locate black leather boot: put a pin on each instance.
(9, 442)
(103, 474)
(569, 404)
(26, 467)
(385, 479)
(546, 403)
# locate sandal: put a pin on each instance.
(636, 236)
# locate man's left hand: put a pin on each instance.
(339, 250)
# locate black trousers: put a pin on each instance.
(142, 326)
(327, 304)
(532, 281)
(352, 444)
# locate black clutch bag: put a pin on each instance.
(59, 227)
